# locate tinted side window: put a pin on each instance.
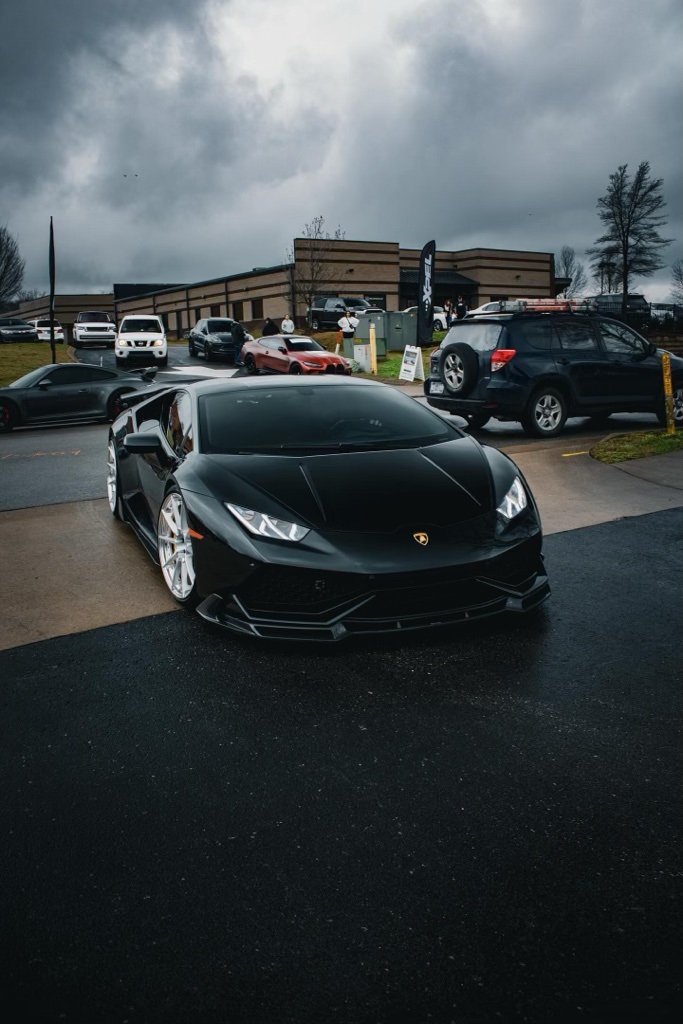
(576, 336)
(97, 374)
(68, 375)
(538, 334)
(179, 424)
(619, 339)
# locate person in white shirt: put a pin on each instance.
(347, 325)
(287, 325)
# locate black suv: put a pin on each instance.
(212, 338)
(540, 368)
(327, 311)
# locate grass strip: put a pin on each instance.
(624, 447)
(16, 358)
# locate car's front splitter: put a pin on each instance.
(363, 616)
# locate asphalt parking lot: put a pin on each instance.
(482, 825)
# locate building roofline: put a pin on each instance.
(211, 280)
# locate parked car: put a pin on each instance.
(13, 328)
(212, 338)
(141, 336)
(406, 523)
(609, 304)
(326, 310)
(286, 353)
(541, 368)
(440, 323)
(67, 391)
(43, 330)
(498, 306)
(94, 327)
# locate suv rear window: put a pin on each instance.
(482, 337)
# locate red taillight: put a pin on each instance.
(500, 357)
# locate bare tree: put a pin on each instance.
(11, 266)
(29, 294)
(631, 212)
(312, 272)
(567, 265)
(677, 282)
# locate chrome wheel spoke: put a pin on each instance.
(175, 547)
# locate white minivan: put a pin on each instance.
(141, 336)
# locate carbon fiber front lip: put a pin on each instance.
(348, 619)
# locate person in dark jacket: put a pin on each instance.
(461, 308)
(269, 327)
(239, 336)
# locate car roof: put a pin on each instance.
(206, 387)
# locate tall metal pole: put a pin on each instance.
(52, 293)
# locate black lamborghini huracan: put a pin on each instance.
(319, 509)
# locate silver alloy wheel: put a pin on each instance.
(678, 404)
(547, 412)
(175, 547)
(112, 484)
(454, 371)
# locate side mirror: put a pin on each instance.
(45, 384)
(652, 349)
(281, 348)
(142, 444)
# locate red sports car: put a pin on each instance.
(283, 353)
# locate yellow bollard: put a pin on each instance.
(373, 349)
(668, 394)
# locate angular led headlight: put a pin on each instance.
(262, 525)
(514, 502)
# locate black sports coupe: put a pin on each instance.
(67, 391)
(319, 509)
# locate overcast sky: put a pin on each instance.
(174, 141)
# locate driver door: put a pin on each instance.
(635, 373)
(63, 393)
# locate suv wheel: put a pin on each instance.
(546, 413)
(678, 406)
(459, 368)
(315, 324)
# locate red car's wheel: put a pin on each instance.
(294, 368)
(250, 364)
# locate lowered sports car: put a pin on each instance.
(318, 509)
(284, 353)
(66, 391)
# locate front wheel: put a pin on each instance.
(114, 407)
(546, 413)
(191, 349)
(8, 417)
(113, 486)
(294, 368)
(678, 407)
(315, 324)
(162, 362)
(250, 365)
(174, 545)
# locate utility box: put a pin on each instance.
(401, 331)
(380, 320)
(361, 353)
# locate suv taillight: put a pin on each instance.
(500, 357)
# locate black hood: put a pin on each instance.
(362, 492)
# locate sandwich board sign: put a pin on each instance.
(411, 366)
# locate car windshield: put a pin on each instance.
(29, 379)
(220, 326)
(314, 418)
(303, 345)
(140, 327)
(96, 317)
(13, 321)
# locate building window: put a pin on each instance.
(215, 311)
(179, 320)
(197, 312)
(238, 310)
(257, 309)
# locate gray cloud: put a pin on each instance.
(497, 127)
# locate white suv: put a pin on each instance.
(93, 327)
(141, 337)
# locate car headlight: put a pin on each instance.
(158, 343)
(262, 525)
(311, 362)
(514, 502)
(122, 342)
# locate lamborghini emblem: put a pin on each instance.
(421, 538)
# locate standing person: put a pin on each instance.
(347, 325)
(448, 309)
(461, 308)
(287, 326)
(269, 327)
(239, 336)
